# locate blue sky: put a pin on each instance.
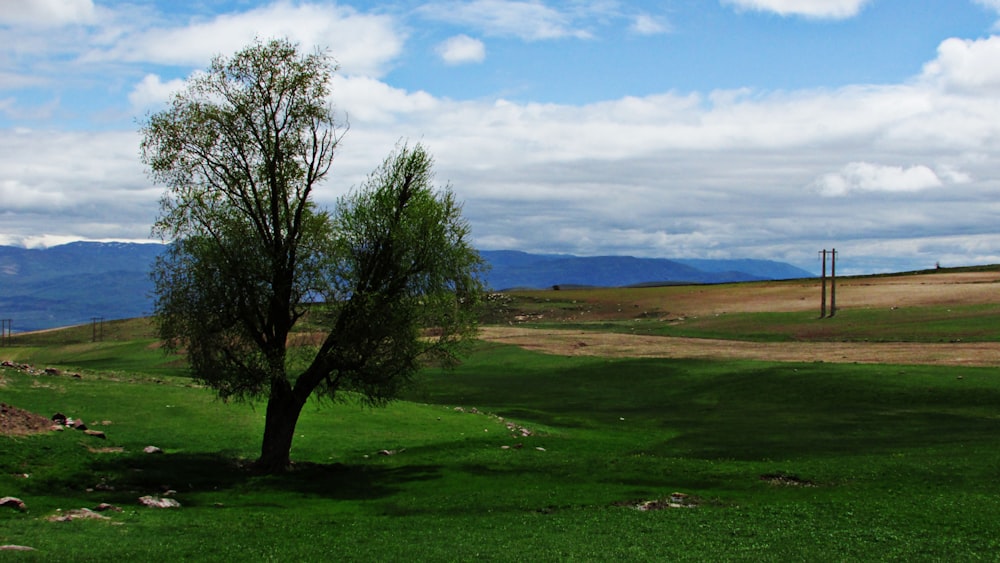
(677, 128)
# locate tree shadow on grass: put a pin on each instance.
(125, 477)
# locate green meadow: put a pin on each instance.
(519, 455)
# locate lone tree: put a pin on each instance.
(386, 280)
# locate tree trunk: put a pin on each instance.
(283, 408)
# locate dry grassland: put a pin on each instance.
(937, 289)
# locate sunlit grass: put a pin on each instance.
(878, 462)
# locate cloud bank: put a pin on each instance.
(895, 176)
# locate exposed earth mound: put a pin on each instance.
(19, 422)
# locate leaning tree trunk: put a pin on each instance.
(283, 409)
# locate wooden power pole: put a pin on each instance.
(833, 282)
(822, 299)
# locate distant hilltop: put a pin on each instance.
(514, 269)
(74, 283)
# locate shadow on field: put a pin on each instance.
(736, 410)
(124, 477)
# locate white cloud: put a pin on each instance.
(46, 13)
(645, 24)
(362, 43)
(964, 64)
(376, 103)
(527, 20)
(825, 9)
(151, 92)
(868, 177)
(14, 81)
(462, 49)
(991, 4)
(87, 185)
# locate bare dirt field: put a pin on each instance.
(970, 288)
(585, 343)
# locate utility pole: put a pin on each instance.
(822, 299)
(5, 331)
(833, 282)
(94, 321)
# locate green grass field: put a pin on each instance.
(781, 461)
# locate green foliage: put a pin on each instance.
(240, 151)
(404, 264)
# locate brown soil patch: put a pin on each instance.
(610, 345)
(932, 289)
(19, 422)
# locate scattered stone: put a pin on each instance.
(539, 448)
(107, 450)
(675, 500)
(786, 480)
(155, 502)
(152, 450)
(77, 514)
(11, 547)
(13, 502)
(59, 418)
(518, 429)
(387, 452)
(52, 371)
(96, 434)
(104, 507)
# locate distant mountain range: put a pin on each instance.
(514, 269)
(74, 283)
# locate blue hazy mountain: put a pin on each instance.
(74, 283)
(70, 284)
(514, 269)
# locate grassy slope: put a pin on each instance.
(778, 311)
(974, 323)
(903, 463)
